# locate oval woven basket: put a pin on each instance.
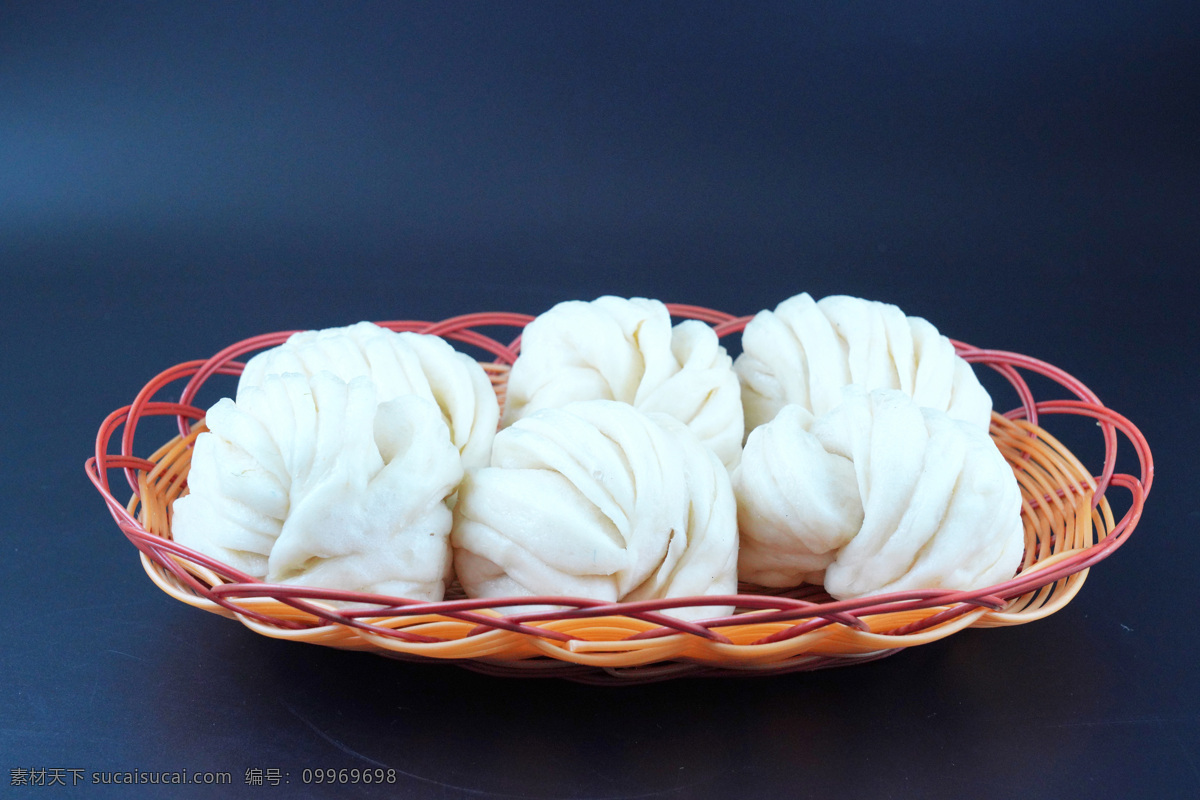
(1069, 527)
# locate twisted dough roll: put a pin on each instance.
(311, 481)
(881, 495)
(804, 352)
(625, 349)
(398, 364)
(597, 499)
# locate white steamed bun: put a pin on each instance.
(312, 481)
(881, 495)
(398, 364)
(622, 349)
(804, 352)
(597, 499)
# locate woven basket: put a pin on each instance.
(1069, 526)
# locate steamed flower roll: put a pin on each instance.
(598, 500)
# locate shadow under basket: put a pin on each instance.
(1069, 526)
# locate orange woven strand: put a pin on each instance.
(1069, 527)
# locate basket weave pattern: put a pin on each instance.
(1069, 527)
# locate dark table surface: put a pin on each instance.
(174, 178)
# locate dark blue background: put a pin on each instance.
(176, 177)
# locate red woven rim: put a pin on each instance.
(808, 614)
